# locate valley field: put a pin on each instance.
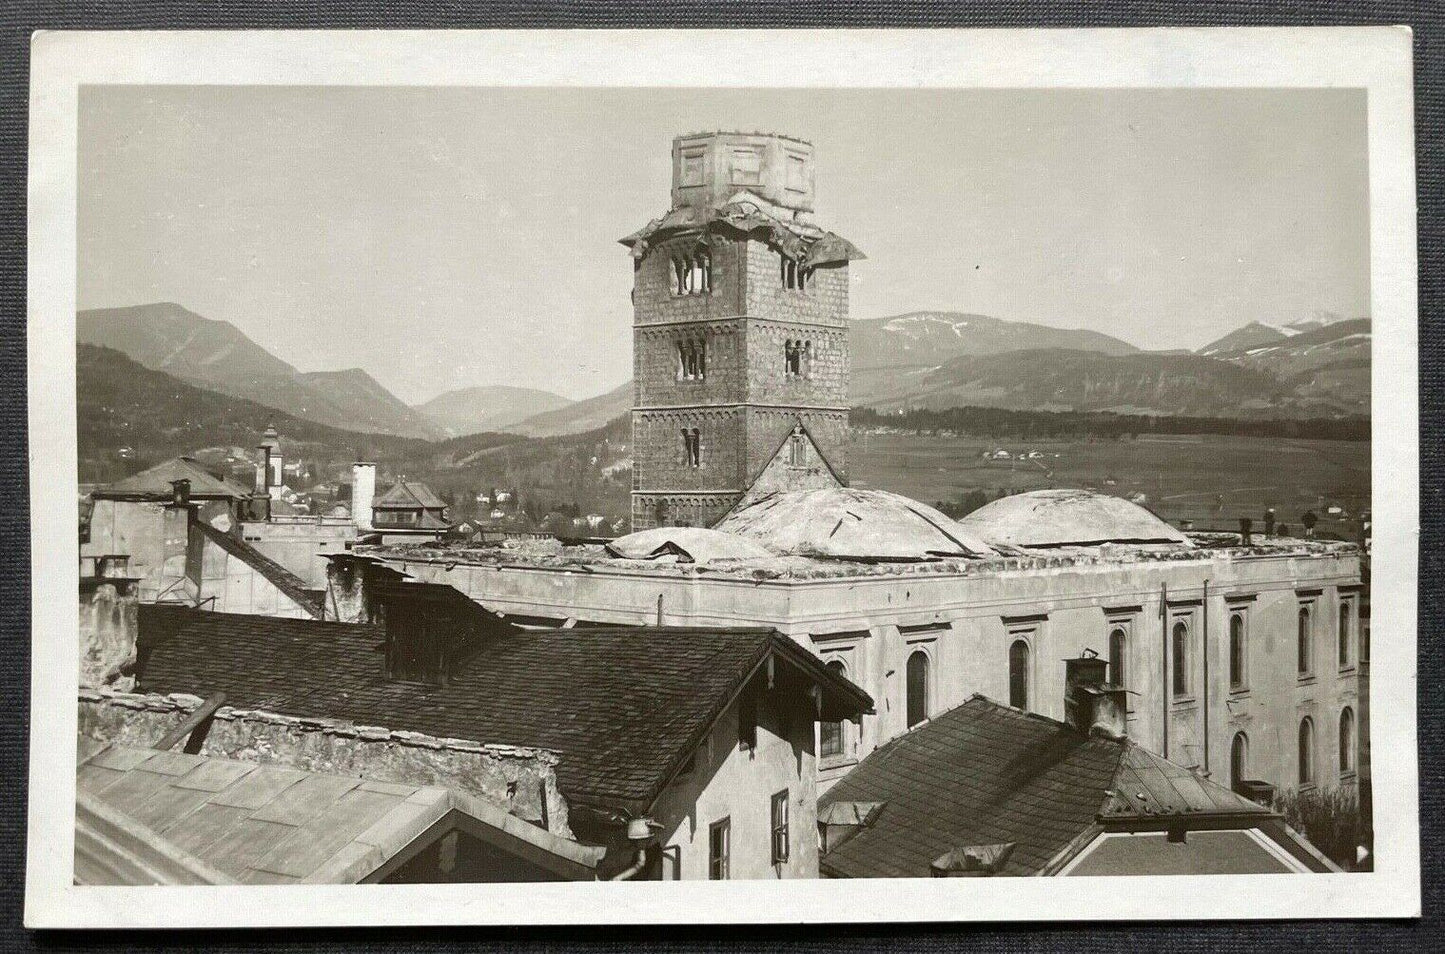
(1210, 479)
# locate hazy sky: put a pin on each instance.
(441, 238)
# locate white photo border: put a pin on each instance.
(1376, 59)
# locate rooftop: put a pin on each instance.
(155, 482)
(985, 774)
(623, 708)
(197, 819)
(1060, 517)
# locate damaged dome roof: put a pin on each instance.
(848, 524)
(685, 545)
(1056, 518)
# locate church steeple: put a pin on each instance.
(740, 341)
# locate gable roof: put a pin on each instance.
(276, 574)
(155, 482)
(623, 708)
(197, 819)
(408, 494)
(987, 774)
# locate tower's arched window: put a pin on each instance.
(1118, 645)
(1347, 740)
(692, 273)
(797, 448)
(692, 359)
(691, 447)
(1306, 751)
(831, 734)
(1306, 642)
(1238, 760)
(1018, 674)
(1179, 646)
(1238, 655)
(917, 687)
(792, 358)
(806, 360)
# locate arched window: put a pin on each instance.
(692, 273)
(917, 687)
(1306, 751)
(1306, 643)
(1238, 760)
(691, 447)
(1347, 740)
(1117, 646)
(1237, 654)
(1018, 674)
(1179, 646)
(830, 734)
(792, 358)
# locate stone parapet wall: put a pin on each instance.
(520, 780)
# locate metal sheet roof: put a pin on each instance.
(1051, 518)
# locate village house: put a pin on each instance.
(683, 753)
(988, 789)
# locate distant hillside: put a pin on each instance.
(1326, 363)
(119, 404)
(497, 408)
(217, 356)
(579, 416)
(930, 338)
(1253, 335)
(1059, 380)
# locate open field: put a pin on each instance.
(1212, 480)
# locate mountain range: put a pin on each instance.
(217, 356)
(927, 359)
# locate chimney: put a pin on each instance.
(363, 493)
(1089, 702)
(1269, 522)
(1245, 524)
(180, 493)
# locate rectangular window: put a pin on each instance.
(780, 827)
(747, 167)
(797, 173)
(692, 168)
(719, 850)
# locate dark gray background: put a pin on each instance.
(18, 19)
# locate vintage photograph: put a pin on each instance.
(510, 484)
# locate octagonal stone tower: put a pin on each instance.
(740, 340)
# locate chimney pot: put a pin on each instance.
(1245, 524)
(1091, 704)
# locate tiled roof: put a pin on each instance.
(987, 774)
(278, 576)
(213, 819)
(623, 708)
(410, 493)
(156, 482)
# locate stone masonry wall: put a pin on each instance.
(655, 364)
(769, 427)
(659, 462)
(694, 510)
(653, 297)
(520, 780)
(824, 301)
(823, 381)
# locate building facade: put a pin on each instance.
(740, 337)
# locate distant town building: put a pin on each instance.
(409, 505)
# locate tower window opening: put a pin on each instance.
(691, 447)
(692, 273)
(792, 275)
(691, 359)
(793, 358)
(797, 449)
